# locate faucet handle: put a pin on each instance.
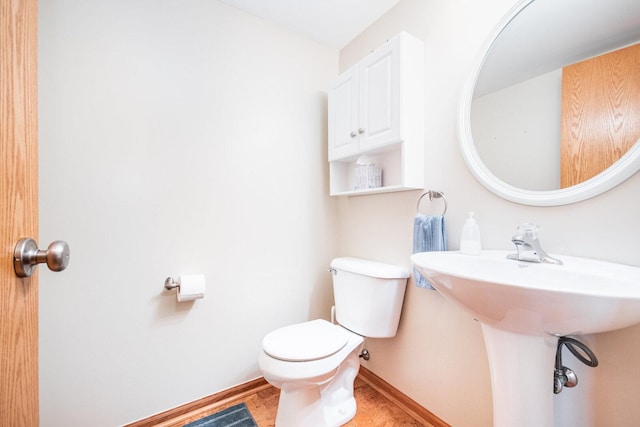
(529, 229)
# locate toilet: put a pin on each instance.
(314, 363)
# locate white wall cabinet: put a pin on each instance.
(376, 108)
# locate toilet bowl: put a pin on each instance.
(315, 363)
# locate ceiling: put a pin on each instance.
(331, 22)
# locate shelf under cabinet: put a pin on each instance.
(379, 190)
(397, 175)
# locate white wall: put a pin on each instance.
(175, 137)
(516, 131)
(438, 357)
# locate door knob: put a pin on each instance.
(26, 256)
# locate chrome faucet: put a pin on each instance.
(528, 246)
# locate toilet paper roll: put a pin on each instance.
(192, 287)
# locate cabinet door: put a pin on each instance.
(343, 115)
(379, 105)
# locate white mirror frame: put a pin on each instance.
(617, 173)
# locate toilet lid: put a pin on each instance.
(306, 341)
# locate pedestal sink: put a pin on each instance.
(523, 308)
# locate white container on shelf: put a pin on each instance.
(367, 174)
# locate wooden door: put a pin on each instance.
(19, 211)
(600, 113)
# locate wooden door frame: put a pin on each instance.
(19, 211)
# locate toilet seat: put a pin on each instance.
(303, 342)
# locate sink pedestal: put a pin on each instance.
(521, 377)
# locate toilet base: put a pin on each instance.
(331, 404)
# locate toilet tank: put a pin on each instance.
(368, 296)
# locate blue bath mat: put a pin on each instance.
(235, 416)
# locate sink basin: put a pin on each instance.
(582, 296)
(523, 308)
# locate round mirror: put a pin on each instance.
(526, 120)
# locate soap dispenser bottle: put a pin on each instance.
(470, 243)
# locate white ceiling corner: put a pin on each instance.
(331, 22)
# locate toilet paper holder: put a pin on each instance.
(169, 283)
(190, 287)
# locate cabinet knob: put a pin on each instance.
(353, 134)
(360, 130)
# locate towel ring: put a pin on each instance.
(433, 195)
